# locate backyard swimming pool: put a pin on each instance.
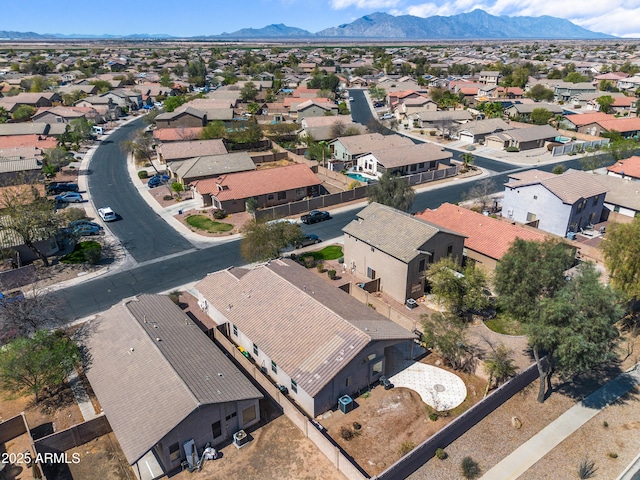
(360, 178)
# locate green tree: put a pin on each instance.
(540, 93)
(171, 103)
(214, 130)
(141, 146)
(377, 93)
(23, 113)
(575, 77)
(446, 333)
(177, 188)
(197, 72)
(499, 365)
(29, 216)
(29, 364)
(270, 96)
(4, 115)
(541, 116)
(394, 191)
(102, 85)
(467, 160)
(621, 249)
(605, 103)
(56, 158)
(319, 151)
(165, 80)
(249, 92)
(470, 468)
(265, 241)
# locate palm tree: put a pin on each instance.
(467, 160)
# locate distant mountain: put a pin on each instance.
(477, 24)
(280, 30)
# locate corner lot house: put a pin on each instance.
(348, 149)
(557, 204)
(486, 239)
(409, 160)
(162, 382)
(397, 248)
(306, 334)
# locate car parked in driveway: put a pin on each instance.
(56, 188)
(107, 214)
(70, 197)
(308, 239)
(157, 180)
(315, 216)
(85, 228)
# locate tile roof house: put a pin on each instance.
(582, 122)
(306, 334)
(396, 248)
(622, 197)
(474, 132)
(409, 160)
(626, 126)
(273, 186)
(348, 149)
(176, 151)
(524, 110)
(211, 166)
(522, 138)
(161, 382)
(627, 168)
(325, 127)
(557, 204)
(178, 134)
(313, 108)
(486, 239)
(183, 117)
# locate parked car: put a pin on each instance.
(315, 216)
(56, 188)
(378, 104)
(351, 99)
(70, 197)
(386, 116)
(107, 214)
(157, 180)
(85, 227)
(308, 239)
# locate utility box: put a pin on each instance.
(345, 404)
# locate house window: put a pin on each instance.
(595, 199)
(230, 416)
(431, 256)
(216, 428)
(282, 195)
(249, 415)
(255, 349)
(531, 217)
(371, 273)
(377, 368)
(174, 452)
(421, 165)
(616, 208)
(450, 250)
(294, 386)
(274, 367)
(270, 196)
(422, 265)
(347, 381)
(235, 331)
(413, 168)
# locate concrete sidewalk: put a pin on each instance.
(530, 452)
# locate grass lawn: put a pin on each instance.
(505, 324)
(202, 222)
(84, 252)
(332, 252)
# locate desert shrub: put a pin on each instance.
(320, 267)
(512, 149)
(470, 468)
(587, 468)
(354, 184)
(167, 197)
(174, 296)
(433, 417)
(441, 454)
(332, 274)
(346, 433)
(605, 424)
(405, 448)
(612, 455)
(356, 426)
(72, 214)
(219, 214)
(309, 261)
(142, 174)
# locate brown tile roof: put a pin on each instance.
(148, 386)
(177, 134)
(587, 118)
(38, 141)
(485, 235)
(411, 154)
(189, 149)
(290, 102)
(359, 144)
(630, 167)
(569, 187)
(310, 328)
(212, 165)
(627, 124)
(237, 186)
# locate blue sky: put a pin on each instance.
(200, 17)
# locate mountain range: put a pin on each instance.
(477, 24)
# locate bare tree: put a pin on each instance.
(142, 146)
(481, 193)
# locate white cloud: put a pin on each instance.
(364, 4)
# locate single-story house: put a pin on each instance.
(523, 138)
(273, 186)
(183, 117)
(176, 151)
(626, 126)
(313, 108)
(162, 383)
(628, 168)
(524, 110)
(476, 131)
(307, 335)
(397, 248)
(557, 204)
(408, 160)
(443, 120)
(36, 100)
(179, 134)
(325, 128)
(30, 128)
(583, 123)
(66, 114)
(486, 239)
(622, 197)
(189, 170)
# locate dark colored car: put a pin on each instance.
(158, 180)
(56, 188)
(308, 239)
(315, 216)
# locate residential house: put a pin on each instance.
(584, 122)
(445, 121)
(30, 128)
(622, 197)
(183, 117)
(329, 127)
(19, 165)
(270, 187)
(180, 134)
(408, 160)
(313, 108)
(628, 168)
(567, 92)
(210, 166)
(66, 115)
(396, 248)
(477, 130)
(162, 382)
(176, 151)
(104, 106)
(557, 204)
(522, 138)
(304, 333)
(347, 149)
(126, 99)
(523, 111)
(629, 83)
(628, 127)
(612, 77)
(36, 100)
(486, 239)
(489, 77)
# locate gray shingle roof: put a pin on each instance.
(410, 155)
(148, 386)
(310, 328)
(393, 232)
(530, 134)
(192, 148)
(622, 192)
